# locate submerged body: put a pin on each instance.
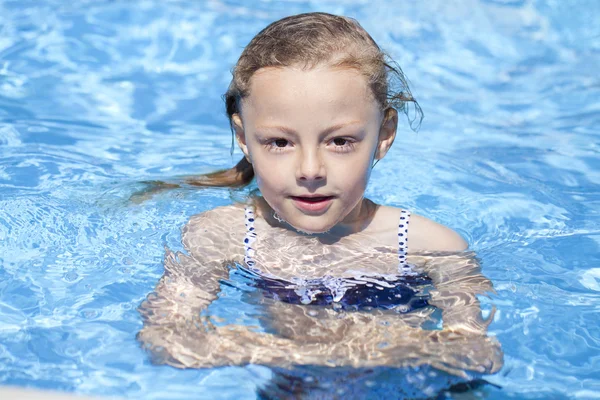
(181, 333)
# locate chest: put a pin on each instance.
(287, 255)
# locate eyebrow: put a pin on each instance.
(290, 131)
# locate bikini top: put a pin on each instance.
(399, 291)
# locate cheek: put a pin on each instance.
(354, 176)
(356, 186)
(268, 177)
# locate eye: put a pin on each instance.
(340, 141)
(277, 144)
(280, 142)
(342, 144)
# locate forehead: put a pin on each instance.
(319, 91)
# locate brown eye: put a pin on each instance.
(280, 143)
(340, 141)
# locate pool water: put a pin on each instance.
(97, 96)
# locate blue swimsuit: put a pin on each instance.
(402, 292)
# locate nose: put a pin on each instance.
(310, 166)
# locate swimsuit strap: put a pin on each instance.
(403, 267)
(250, 238)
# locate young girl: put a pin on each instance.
(314, 104)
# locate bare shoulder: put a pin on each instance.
(218, 215)
(423, 233)
(217, 230)
(427, 235)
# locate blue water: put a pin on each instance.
(96, 96)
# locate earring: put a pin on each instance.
(375, 163)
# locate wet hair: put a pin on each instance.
(305, 41)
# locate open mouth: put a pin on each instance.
(313, 203)
(312, 199)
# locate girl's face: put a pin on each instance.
(312, 136)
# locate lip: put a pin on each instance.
(312, 203)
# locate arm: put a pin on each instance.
(458, 281)
(456, 274)
(368, 344)
(189, 284)
(187, 287)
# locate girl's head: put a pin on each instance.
(313, 103)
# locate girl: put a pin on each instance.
(314, 104)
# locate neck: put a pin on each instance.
(358, 219)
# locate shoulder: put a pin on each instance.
(423, 233)
(218, 215)
(427, 235)
(219, 229)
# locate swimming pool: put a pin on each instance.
(96, 96)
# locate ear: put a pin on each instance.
(387, 133)
(240, 135)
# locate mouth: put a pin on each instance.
(312, 204)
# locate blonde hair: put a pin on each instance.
(307, 40)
